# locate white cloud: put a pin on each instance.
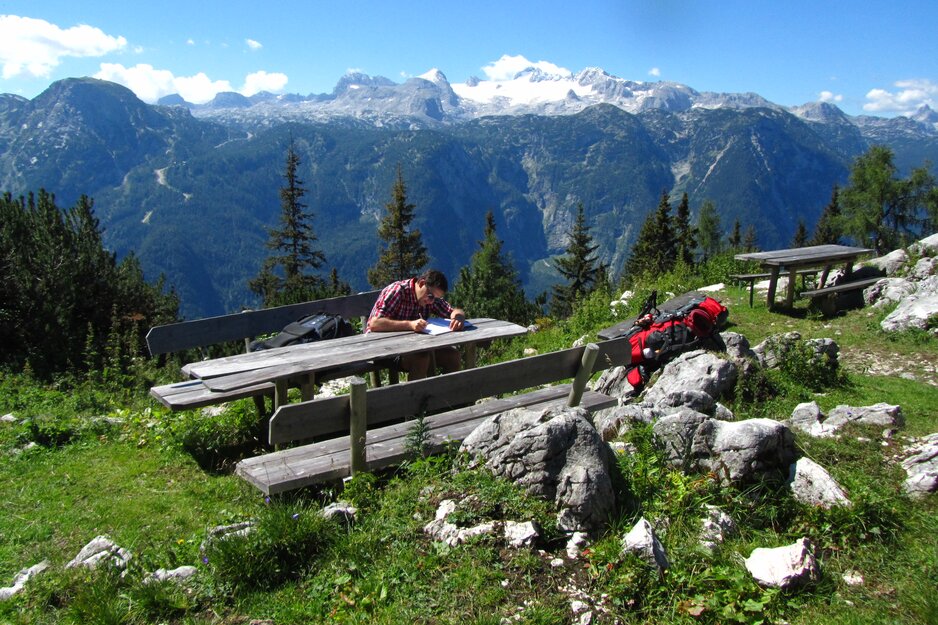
(507, 67)
(262, 81)
(910, 95)
(190, 41)
(253, 44)
(655, 71)
(151, 84)
(829, 96)
(36, 47)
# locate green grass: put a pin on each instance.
(155, 482)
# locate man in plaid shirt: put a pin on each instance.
(406, 305)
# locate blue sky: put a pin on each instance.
(869, 57)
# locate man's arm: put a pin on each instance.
(384, 324)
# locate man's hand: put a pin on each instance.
(457, 320)
(418, 325)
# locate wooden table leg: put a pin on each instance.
(790, 293)
(280, 394)
(773, 284)
(471, 356)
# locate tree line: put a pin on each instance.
(66, 304)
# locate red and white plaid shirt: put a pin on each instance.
(398, 301)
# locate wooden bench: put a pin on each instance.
(752, 278)
(247, 325)
(826, 298)
(448, 400)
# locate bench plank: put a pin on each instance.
(183, 335)
(194, 394)
(301, 466)
(330, 415)
(840, 288)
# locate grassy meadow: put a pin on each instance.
(90, 457)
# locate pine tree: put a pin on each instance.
(684, 233)
(578, 266)
(750, 243)
(489, 286)
(655, 249)
(283, 278)
(882, 211)
(828, 229)
(709, 231)
(735, 239)
(801, 235)
(404, 255)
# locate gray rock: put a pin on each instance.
(8, 418)
(642, 541)
(890, 263)
(613, 422)
(716, 527)
(737, 452)
(784, 567)
(812, 485)
(921, 466)
(888, 291)
(519, 535)
(913, 312)
(696, 400)
(613, 382)
(101, 550)
(737, 346)
(880, 415)
(774, 349)
(805, 417)
(178, 575)
(554, 453)
(21, 578)
(577, 543)
(926, 247)
(693, 371)
(340, 511)
(924, 268)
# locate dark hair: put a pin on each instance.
(435, 279)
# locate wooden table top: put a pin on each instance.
(233, 372)
(800, 256)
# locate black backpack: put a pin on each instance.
(318, 327)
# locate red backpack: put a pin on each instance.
(657, 336)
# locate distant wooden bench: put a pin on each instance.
(449, 400)
(752, 278)
(247, 325)
(826, 298)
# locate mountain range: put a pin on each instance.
(192, 189)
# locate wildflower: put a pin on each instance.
(296, 516)
(267, 500)
(204, 559)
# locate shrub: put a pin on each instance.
(285, 541)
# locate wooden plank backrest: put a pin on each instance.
(320, 417)
(175, 337)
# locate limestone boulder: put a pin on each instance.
(554, 453)
(784, 567)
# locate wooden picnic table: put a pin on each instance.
(228, 375)
(792, 260)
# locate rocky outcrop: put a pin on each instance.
(921, 466)
(555, 454)
(737, 452)
(812, 485)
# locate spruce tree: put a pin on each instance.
(735, 240)
(709, 231)
(684, 233)
(489, 286)
(284, 277)
(828, 229)
(655, 249)
(404, 254)
(578, 267)
(800, 239)
(883, 211)
(750, 243)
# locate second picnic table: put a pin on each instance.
(792, 260)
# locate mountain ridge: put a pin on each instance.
(193, 195)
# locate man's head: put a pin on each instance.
(430, 285)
